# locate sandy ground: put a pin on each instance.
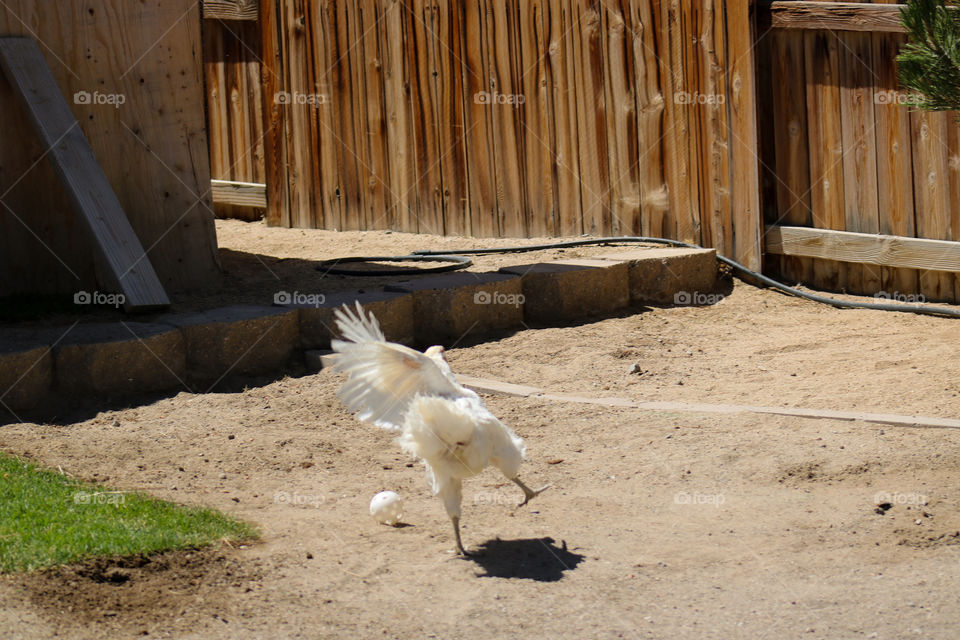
(658, 524)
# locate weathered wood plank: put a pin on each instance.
(482, 181)
(790, 140)
(536, 119)
(371, 117)
(894, 161)
(654, 200)
(566, 165)
(231, 9)
(86, 185)
(427, 204)
(503, 100)
(822, 77)
(676, 123)
(272, 82)
(622, 151)
(835, 16)
(745, 217)
(322, 140)
(953, 164)
(449, 82)
(299, 98)
(860, 150)
(864, 248)
(715, 215)
(932, 193)
(592, 122)
(243, 194)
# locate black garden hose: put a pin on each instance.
(461, 262)
(457, 262)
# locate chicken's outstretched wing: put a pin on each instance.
(383, 376)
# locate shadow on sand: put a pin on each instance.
(530, 558)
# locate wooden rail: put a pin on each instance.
(864, 248)
(231, 9)
(835, 16)
(241, 194)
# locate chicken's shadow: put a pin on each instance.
(530, 558)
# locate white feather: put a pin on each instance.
(384, 376)
(415, 394)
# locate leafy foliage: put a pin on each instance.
(929, 64)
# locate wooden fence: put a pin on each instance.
(513, 118)
(557, 118)
(844, 153)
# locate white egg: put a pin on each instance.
(387, 507)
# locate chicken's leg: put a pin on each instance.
(456, 532)
(527, 491)
(450, 492)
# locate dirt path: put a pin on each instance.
(658, 525)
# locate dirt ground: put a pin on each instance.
(657, 524)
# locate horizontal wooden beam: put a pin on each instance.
(833, 16)
(231, 9)
(244, 194)
(866, 248)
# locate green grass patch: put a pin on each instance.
(47, 519)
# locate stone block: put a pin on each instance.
(567, 289)
(446, 308)
(674, 275)
(393, 311)
(26, 369)
(119, 357)
(239, 340)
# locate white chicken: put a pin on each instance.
(416, 395)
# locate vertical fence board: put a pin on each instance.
(894, 162)
(401, 162)
(380, 207)
(502, 104)
(953, 164)
(623, 152)
(932, 193)
(715, 127)
(860, 152)
(566, 165)
(536, 114)
(680, 176)
(274, 125)
(654, 200)
(745, 216)
(449, 83)
(298, 77)
(790, 140)
(591, 117)
(826, 150)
